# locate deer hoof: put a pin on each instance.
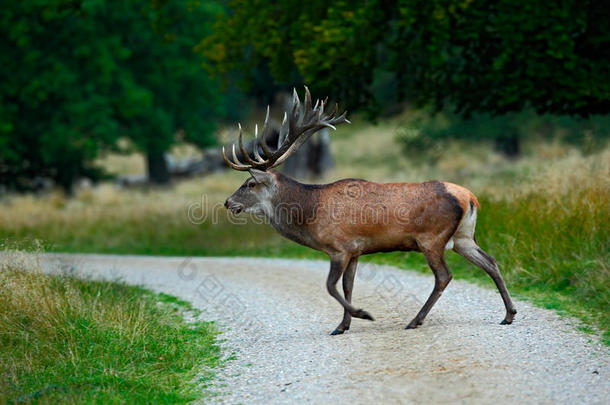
(510, 315)
(413, 324)
(362, 314)
(337, 332)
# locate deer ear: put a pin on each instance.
(262, 177)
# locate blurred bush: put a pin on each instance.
(424, 136)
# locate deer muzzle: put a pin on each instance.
(234, 207)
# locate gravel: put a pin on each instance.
(276, 315)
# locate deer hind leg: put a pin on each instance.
(473, 253)
(442, 277)
(348, 285)
(337, 266)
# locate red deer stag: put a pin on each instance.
(351, 217)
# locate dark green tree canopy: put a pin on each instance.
(75, 76)
(477, 55)
(502, 56)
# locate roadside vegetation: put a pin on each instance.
(544, 216)
(67, 340)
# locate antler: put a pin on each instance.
(298, 125)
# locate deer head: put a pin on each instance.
(300, 123)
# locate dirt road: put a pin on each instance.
(276, 316)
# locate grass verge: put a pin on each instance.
(66, 340)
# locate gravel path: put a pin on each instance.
(276, 316)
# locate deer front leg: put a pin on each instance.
(337, 266)
(348, 285)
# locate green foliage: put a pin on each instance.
(492, 56)
(501, 56)
(331, 46)
(76, 76)
(66, 340)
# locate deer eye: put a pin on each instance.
(251, 184)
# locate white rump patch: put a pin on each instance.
(449, 244)
(464, 236)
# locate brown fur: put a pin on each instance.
(359, 217)
(352, 217)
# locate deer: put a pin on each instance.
(352, 217)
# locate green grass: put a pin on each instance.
(66, 340)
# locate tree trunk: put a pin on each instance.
(312, 160)
(509, 144)
(158, 172)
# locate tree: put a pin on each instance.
(183, 96)
(500, 56)
(489, 56)
(330, 46)
(75, 76)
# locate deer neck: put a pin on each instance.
(293, 209)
